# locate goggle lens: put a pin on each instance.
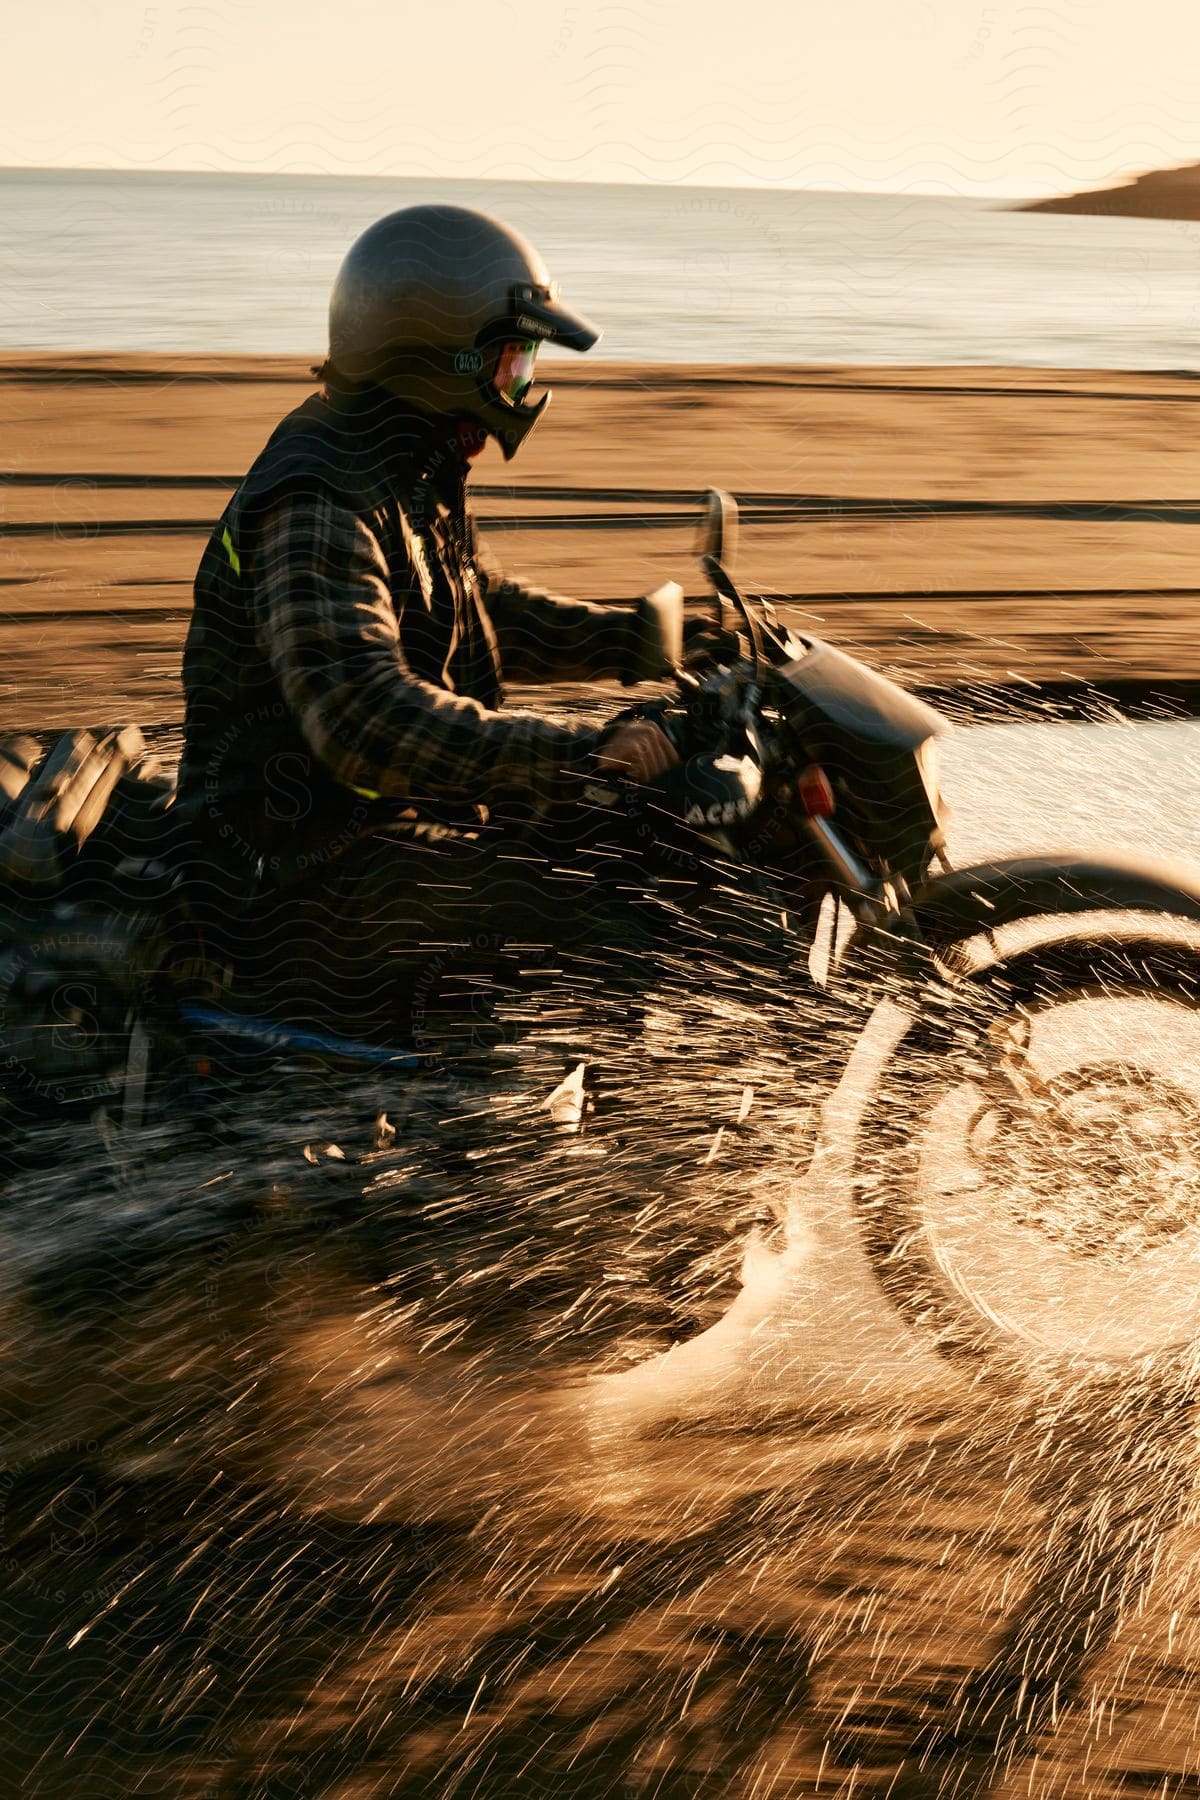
(514, 370)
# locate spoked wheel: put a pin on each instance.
(1029, 1165)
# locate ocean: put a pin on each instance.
(151, 261)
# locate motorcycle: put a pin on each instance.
(1027, 1157)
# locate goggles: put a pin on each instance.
(513, 375)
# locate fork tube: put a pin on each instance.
(850, 871)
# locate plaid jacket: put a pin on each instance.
(349, 637)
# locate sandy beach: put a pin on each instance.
(957, 526)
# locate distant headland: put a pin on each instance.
(1161, 194)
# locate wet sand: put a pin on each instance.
(95, 575)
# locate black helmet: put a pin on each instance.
(446, 307)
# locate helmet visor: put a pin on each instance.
(514, 369)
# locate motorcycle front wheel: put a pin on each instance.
(1028, 1166)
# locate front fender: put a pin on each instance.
(988, 895)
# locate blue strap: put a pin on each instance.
(288, 1037)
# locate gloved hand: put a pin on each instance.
(638, 749)
(705, 640)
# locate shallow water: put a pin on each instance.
(671, 274)
(270, 1545)
(1116, 786)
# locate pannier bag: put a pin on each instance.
(50, 805)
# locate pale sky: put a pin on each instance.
(940, 96)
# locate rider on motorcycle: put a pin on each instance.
(345, 752)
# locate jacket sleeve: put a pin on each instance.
(323, 617)
(543, 637)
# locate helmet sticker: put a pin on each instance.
(468, 362)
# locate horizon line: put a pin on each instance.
(940, 193)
